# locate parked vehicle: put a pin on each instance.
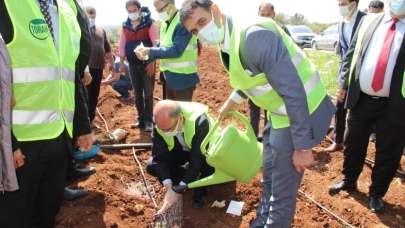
(301, 34)
(327, 40)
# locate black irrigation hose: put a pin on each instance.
(319, 205)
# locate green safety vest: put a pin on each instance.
(191, 111)
(257, 87)
(43, 75)
(188, 61)
(368, 20)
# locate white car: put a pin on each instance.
(301, 34)
(327, 40)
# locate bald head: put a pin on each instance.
(266, 9)
(166, 113)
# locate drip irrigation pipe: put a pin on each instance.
(319, 205)
(369, 161)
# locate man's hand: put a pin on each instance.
(302, 159)
(341, 95)
(85, 142)
(87, 79)
(142, 52)
(227, 107)
(19, 158)
(151, 70)
(13, 101)
(171, 197)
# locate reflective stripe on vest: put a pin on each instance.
(43, 75)
(403, 85)
(178, 65)
(40, 117)
(257, 87)
(185, 64)
(24, 75)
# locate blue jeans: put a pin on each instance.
(122, 87)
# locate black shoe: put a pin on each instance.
(375, 204)
(342, 185)
(138, 124)
(148, 127)
(73, 194)
(80, 173)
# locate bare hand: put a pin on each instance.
(227, 107)
(87, 79)
(171, 197)
(13, 101)
(341, 95)
(302, 159)
(142, 52)
(85, 142)
(19, 158)
(151, 70)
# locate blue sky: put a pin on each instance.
(112, 12)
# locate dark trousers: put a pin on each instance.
(340, 122)
(163, 81)
(180, 95)
(176, 164)
(93, 90)
(390, 142)
(41, 181)
(254, 112)
(143, 89)
(122, 87)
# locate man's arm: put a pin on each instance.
(266, 52)
(197, 159)
(160, 156)
(347, 61)
(81, 120)
(107, 46)
(181, 38)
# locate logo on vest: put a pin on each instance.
(39, 29)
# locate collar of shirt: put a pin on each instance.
(352, 19)
(388, 18)
(226, 45)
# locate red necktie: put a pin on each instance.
(381, 67)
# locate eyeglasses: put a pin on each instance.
(163, 8)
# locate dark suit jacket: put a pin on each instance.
(396, 102)
(343, 45)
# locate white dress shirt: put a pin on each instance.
(348, 28)
(373, 52)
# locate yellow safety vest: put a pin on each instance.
(187, 63)
(257, 87)
(43, 75)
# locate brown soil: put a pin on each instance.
(110, 204)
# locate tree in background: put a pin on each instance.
(298, 19)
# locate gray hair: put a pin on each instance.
(175, 113)
(90, 10)
(189, 6)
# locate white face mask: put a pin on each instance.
(397, 7)
(211, 34)
(346, 10)
(164, 16)
(133, 16)
(92, 22)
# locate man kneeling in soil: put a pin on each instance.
(176, 156)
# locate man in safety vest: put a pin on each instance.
(265, 65)
(374, 88)
(178, 53)
(44, 41)
(180, 129)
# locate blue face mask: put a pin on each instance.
(398, 7)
